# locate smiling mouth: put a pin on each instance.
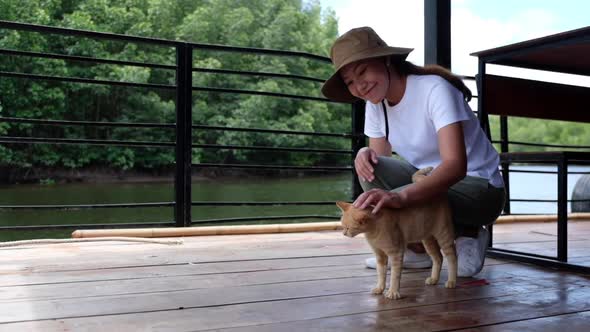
(368, 91)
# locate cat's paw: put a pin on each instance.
(377, 290)
(431, 281)
(392, 294)
(450, 284)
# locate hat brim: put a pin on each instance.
(334, 87)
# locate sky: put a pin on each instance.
(476, 25)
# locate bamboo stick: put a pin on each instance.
(210, 230)
(541, 218)
(277, 228)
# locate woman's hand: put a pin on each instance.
(379, 198)
(363, 163)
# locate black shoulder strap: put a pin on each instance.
(386, 121)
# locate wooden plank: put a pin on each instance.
(454, 316)
(576, 322)
(171, 270)
(547, 249)
(233, 283)
(69, 290)
(504, 279)
(56, 288)
(432, 307)
(77, 256)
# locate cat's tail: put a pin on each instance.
(421, 174)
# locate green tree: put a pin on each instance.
(278, 24)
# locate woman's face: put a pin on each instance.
(367, 79)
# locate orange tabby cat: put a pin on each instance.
(390, 230)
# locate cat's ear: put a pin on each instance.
(343, 205)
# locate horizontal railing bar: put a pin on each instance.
(85, 33)
(254, 50)
(158, 86)
(136, 39)
(260, 93)
(548, 145)
(273, 131)
(86, 80)
(268, 148)
(534, 200)
(85, 226)
(551, 263)
(532, 172)
(254, 73)
(548, 200)
(153, 65)
(467, 77)
(302, 168)
(523, 253)
(264, 218)
(165, 125)
(542, 172)
(86, 59)
(523, 214)
(203, 203)
(75, 207)
(19, 140)
(86, 206)
(88, 123)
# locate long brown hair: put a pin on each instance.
(405, 68)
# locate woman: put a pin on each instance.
(422, 114)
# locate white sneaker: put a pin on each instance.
(412, 260)
(471, 253)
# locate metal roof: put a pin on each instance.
(566, 52)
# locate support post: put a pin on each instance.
(562, 209)
(484, 121)
(358, 142)
(504, 146)
(182, 184)
(437, 32)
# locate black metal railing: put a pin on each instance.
(183, 127)
(504, 143)
(541, 158)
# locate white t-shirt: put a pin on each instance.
(430, 103)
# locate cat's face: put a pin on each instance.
(353, 220)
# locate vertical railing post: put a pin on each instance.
(504, 146)
(182, 184)
(482, 115)
(562, 165)
(358, 142)
(437, 32)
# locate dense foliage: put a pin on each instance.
(298, 25)
(276, 24)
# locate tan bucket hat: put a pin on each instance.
(357, 44)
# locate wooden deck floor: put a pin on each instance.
(281, 282)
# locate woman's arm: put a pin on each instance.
(366, 157)
(381, 146)
(452, 169)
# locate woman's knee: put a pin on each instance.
(389, 174)
(478, 212)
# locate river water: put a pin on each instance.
(320, 188)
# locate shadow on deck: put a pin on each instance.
(312, 281)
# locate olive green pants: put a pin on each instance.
(474, 202)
